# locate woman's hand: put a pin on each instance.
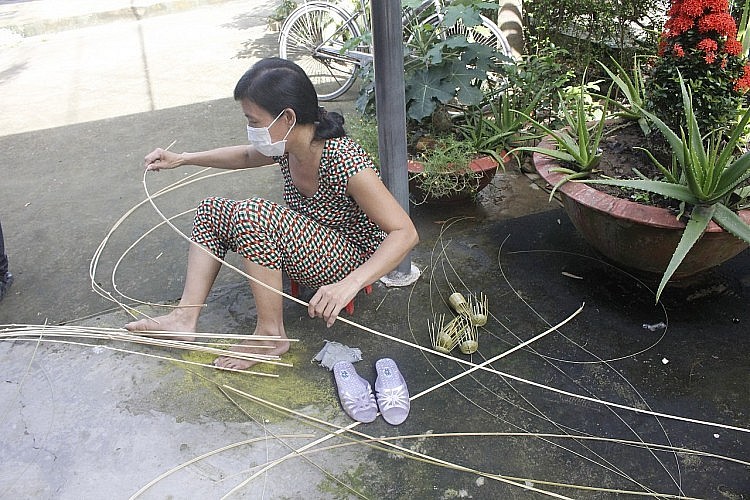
(329, 300)
(161, 158)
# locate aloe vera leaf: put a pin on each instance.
(570, 177)
(694, 229)
(735, 173)
(731, 222)
(662, 168)
(668, 189)
(554, 153)
(678, 147)
(622, 80)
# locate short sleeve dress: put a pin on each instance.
(316, 240)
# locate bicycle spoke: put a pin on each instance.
(314, 37)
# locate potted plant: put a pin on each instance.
(447, 169)
(449, 82)
(442, 169)
(706, 176)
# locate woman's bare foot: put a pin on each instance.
(176, 321)
(261, 348)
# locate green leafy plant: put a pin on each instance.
(633, 90)
(537, 73)
(446, 161)
(364, 130)
(491, 127)
(709, 177)
(441, 66)
(281, 12)
(577, 143)
(589, 29)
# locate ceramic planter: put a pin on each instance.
(636, 236)
(484, 166)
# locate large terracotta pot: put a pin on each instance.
(485, 166)
(639, 237)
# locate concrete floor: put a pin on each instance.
(82, 106)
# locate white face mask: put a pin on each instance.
(260, 137)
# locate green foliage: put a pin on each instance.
(448, 155)
(440, 65)
(282, 11)
(541, 75)
(365, 131)
(716, 104)
(595, 29)
(633, 91)
(708, 178)
(700, 46)
(492, 127)
(577, 143)
(583, 98)
(446, 169)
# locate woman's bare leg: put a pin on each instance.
(270, 308)
(202, 269)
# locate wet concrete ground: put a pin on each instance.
(629, 395)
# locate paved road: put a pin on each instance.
(129, 66)
(80, 109)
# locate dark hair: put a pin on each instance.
(276, 84)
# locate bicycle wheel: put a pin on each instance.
(488, 33)
(313, 36)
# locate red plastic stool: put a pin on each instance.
(295, 288)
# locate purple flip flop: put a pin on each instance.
(355, 393)
(392, 393)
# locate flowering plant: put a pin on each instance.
(693, 96)
(706, 175)
(699, 42)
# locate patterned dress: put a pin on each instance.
(316, 240)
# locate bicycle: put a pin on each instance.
(325, 40)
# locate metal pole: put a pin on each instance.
(387, 38)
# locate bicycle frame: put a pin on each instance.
(338, 40)
(332, 51)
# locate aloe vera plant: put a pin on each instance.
(634, 92)
(707, 175)
(577, 144)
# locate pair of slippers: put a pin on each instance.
(357, 397)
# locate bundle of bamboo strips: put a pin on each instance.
(210, 343)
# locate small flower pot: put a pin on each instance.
(468, 185)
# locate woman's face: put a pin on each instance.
(258, 117)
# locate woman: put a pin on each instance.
(340, 230)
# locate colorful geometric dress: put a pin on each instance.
(316, 240)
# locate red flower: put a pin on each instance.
(717, 5)
(708, 45)
(677, 25)
(722, 23)
(678, 51)
(662, 47)
(733, 47)
(743, 83)
(692, 8)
